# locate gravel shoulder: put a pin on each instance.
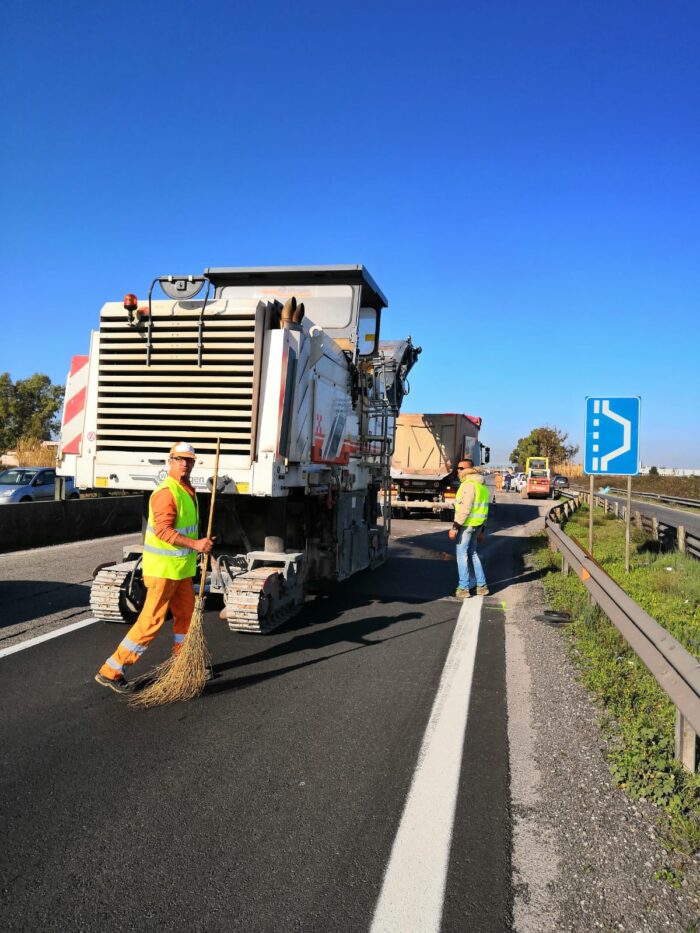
(584, 855)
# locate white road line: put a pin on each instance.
(55, 634)
(413, 891)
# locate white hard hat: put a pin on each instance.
(183, 450)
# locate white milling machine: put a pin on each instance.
(285, 366)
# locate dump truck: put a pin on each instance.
(285, 367)
(427, 450)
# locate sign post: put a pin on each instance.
(612, 447)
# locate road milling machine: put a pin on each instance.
(285, 366)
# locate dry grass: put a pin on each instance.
(182, 676)
(30, 453)
(568, 469)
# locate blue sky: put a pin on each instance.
(521, 178)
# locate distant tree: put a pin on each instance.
(28, 409)
(544, 442)
(653, 471)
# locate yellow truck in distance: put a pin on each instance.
(538, 482)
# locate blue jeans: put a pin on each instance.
(469, 567)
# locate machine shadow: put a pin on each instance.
(323, 623)
(18, 599)
(326, 639)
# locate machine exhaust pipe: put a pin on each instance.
(288, 311)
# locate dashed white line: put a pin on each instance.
(413, 890)
(49, 635)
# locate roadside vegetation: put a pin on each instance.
(543, 442)
(28, 409)
(30, 452)
(637, 717)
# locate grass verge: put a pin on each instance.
(637, 716)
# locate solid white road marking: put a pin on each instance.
(413, 891)
(55, 634)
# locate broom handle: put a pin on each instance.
(205, 565)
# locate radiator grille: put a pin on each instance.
(144, 409)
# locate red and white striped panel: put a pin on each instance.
(74, 407)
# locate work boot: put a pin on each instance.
(209, 674)
(119, 684)
(462, 594)
(482, 591)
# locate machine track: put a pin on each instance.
(256, 601)
(109, 597)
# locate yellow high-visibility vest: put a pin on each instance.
(164, 560)
(480, 506)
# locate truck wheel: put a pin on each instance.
(445, 515)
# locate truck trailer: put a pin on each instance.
(285, 367)
(427, 450)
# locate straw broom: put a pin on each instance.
(183, 675)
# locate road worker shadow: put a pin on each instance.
(357, 632)
(19, 599)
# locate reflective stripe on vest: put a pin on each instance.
(480, 506)
(161, 559)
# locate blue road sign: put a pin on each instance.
(612, 436)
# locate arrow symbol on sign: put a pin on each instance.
(626, 435)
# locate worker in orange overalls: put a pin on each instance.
(170, 551)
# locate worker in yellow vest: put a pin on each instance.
(170, 549)
(471, 512)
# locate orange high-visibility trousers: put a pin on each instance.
(176, 595)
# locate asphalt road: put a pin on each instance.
(673, 517)
(275, 801)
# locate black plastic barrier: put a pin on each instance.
(38, 524)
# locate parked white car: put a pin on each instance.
(518, 481)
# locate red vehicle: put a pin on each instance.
(538, 483)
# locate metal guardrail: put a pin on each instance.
(675, 669)
(669, 534)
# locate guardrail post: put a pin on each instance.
(686, 743)
(638, 519)
(617, 510)
(681, 538)
(606, 505)
(655, 528)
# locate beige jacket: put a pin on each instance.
(464, 508)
